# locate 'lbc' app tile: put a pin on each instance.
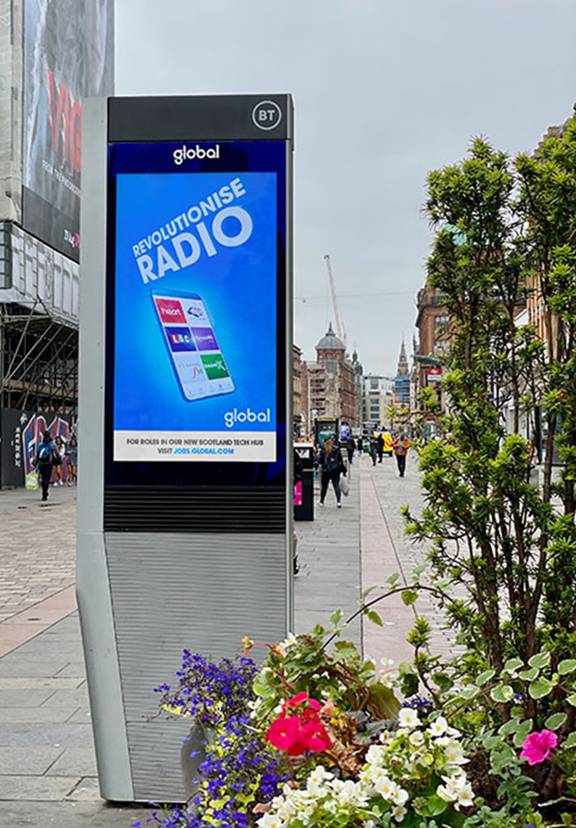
(180, 339)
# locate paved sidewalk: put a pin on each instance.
(330, 565)
(387, 550)
(37, 548)
(47, 768)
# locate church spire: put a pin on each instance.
(403, 368)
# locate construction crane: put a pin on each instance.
(338, 322)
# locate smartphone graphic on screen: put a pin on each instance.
(192, 345)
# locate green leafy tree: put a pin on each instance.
(503, 544)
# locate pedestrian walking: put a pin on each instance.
(60, 453)
(373, 449)
(401, 445)
(360, 445)
(332, 466)
(44, 462)
(380, 446)
(72, 458)
(351, 448)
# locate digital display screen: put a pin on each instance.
(195, 302)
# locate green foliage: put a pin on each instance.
(503, 545)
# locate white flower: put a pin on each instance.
(270, 821)
(385, 787)
(408, 718)
(455, 787)
(288, 642)
(399, 812)
(438, 726)
(416, 738)
(399, 796)
(465, 797)
(386, 678)
(454, 754)
(375, 755)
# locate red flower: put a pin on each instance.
(316, 737)
(286, 734)
(302, 698)
(301, 732)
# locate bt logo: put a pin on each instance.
(266, 115)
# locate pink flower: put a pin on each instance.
(299, 728)
(537, 747)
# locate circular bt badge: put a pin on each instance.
(266, 115)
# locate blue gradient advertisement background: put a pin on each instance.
(238, 286)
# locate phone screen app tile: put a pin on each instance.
(170, 311)
(215, 366)
(205, 339)
(180, 339)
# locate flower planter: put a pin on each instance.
(192, 754)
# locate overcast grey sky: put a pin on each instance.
(385, 90)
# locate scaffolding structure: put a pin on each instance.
(38, 359)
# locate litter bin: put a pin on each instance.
(304, 488)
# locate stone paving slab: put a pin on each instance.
(27, 683)
(36, 788)
(25, 762)
(34, 715)
(73, 762)
(87, 790)
(69, 814)
(45, 735)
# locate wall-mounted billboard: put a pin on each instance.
(68, 55)
(195, 298)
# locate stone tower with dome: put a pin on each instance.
(333, 383)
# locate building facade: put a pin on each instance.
(333, 382)
(433, 340)
(53, 55)
(299, 396)
(402, 381)
(378, 400)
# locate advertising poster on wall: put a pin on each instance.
(195, 309)
(68, 55)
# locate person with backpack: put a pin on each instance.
(332, 466)
(44, 461)
(401, 445)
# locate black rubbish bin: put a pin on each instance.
(304, 487)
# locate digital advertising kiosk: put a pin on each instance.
(185, 490)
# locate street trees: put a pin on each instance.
(503, 546)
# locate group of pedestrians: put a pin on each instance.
(332, 467)
(51, 455)
(399, 445)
